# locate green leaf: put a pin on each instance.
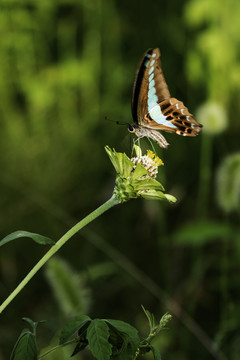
(139, 171)
(43, 240)
(25, 347)
(138, 150)
(113, 157)
(32, 323)
(156, 353)
(122, 356)
(121, 162)
(157, 195)
(73, 326)
(151, 319)
(147, 184)
(118, 341)
(97, 336)
(80, 346)
(127, 165)
(170, 198)
(202, 232)
(125, 328)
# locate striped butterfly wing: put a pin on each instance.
(140, 103)
(152, 106)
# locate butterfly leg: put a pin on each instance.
(152, 145)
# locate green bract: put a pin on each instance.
(133, 182)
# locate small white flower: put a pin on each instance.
(150, 162)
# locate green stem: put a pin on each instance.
(56, 348)
(152, 334)
(137, 353)
(99, 211)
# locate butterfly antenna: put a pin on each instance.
(122, 123)
(106, 118)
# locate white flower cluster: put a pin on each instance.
(148, 163)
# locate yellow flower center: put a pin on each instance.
(157, 161)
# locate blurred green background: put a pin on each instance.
(66, 75)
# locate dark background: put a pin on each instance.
(64, 67)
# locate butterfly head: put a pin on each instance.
(131, 128)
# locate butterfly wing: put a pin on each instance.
(143, 98)
(172, 116)
(152, 105)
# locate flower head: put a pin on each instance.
(136, 176)
(150, 162)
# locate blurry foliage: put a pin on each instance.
(201, 233)
(228, 183)
(69, 288)
(214, 57)
(64, 66)
(213, 117)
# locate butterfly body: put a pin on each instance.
(141, 131)
(153, 108)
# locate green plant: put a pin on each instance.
(105, 338)
(135, 178)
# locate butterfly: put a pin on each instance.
(152, 106)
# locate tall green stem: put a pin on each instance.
(99, 211)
